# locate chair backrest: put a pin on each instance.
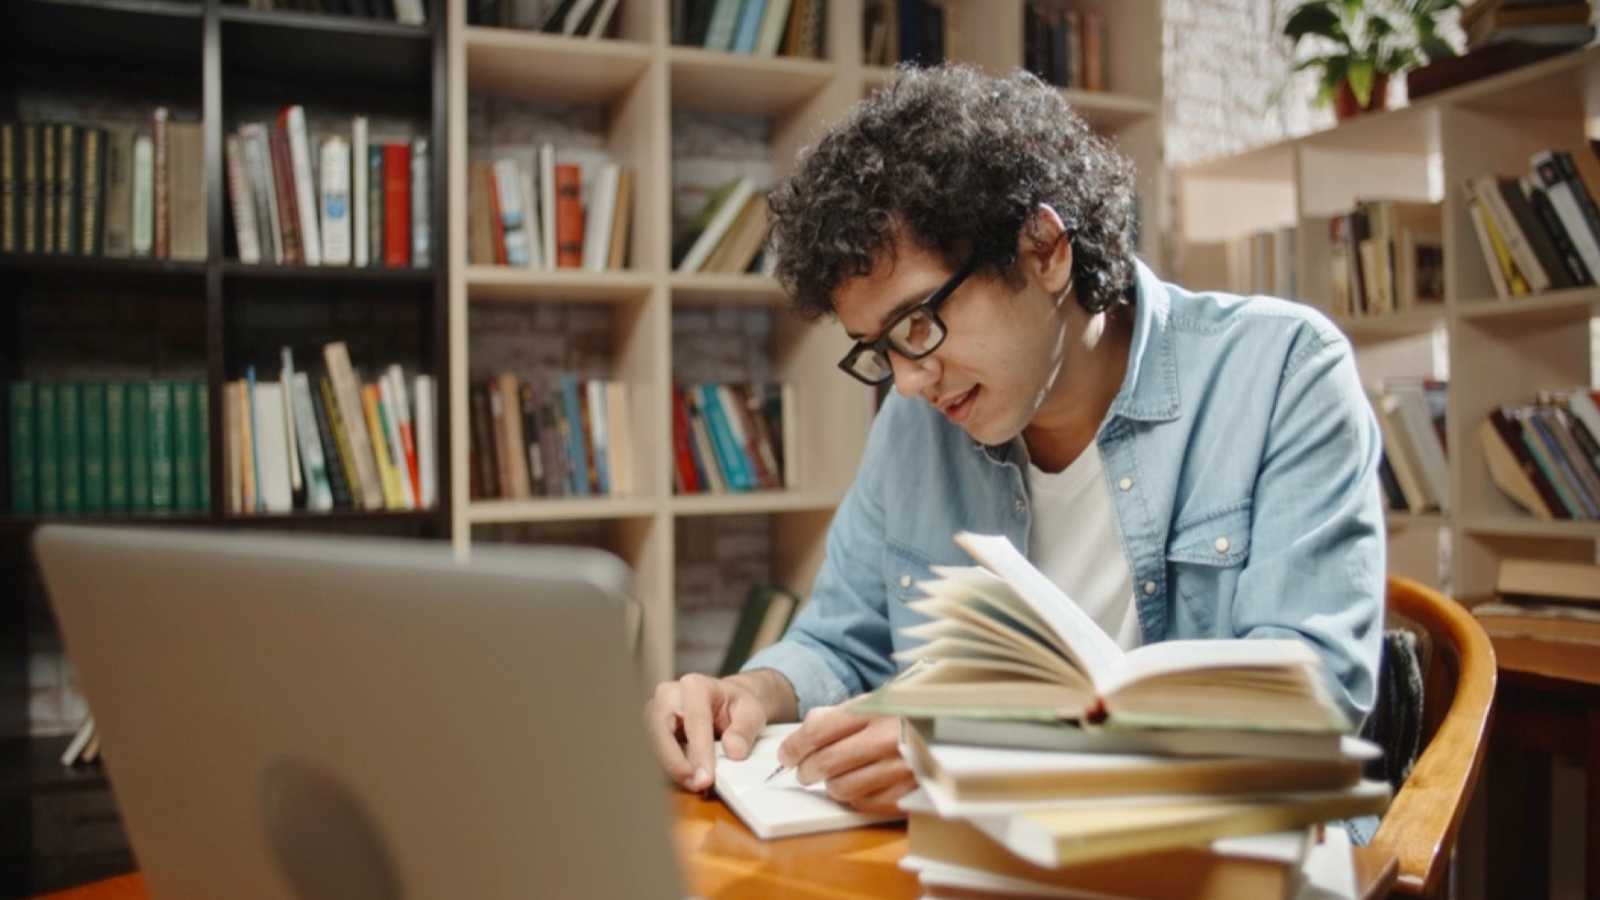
(1421, 825)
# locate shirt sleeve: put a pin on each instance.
(1318, 542)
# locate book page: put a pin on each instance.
(781, 807)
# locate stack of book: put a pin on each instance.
(405, 12)
(529, 209)
(99, 447)
(1550, 601)
(562, 438)
(1044, 753)
(569, 18)
(1065, 45)
(1415, 469)
(1386, 256)
(726, 235)
(732, 437)
(357, 202)
(1540, 231)
(112, 189)
(1560, 23)
(1546, 456)
(333, 443)
(757, 27)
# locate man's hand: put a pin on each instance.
(857, 756)
(686, 716)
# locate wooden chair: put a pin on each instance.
(1422, 824)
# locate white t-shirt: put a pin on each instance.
(1076, 542)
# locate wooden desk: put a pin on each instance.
(724, 861)
(1547, 704)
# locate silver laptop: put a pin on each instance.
(336, 719)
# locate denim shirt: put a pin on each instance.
(1241, 455)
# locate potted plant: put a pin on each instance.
(1363, 42)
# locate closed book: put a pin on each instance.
(69, 440)
(686, 480)
(388, 476)
(486, 471)
(1580, 192)
(352, 413)
(506, 408)
(118, 230)
(1549, 622)
(333, 466)
(547, 205)
(256, 155)
(408, 434)
(747, 29)
(139, 446)
(289, 231)
(117, 457)
(249, 466)
(1546, 581)
(421, 204)
(49, 194)
(577, 444)
(92, 185)
(376, 233)
(160, 130)
(69, 190)
(143, 228)
(569, 216)
(528, 409)
(620, 438)
(389, 407)
(10, 187)
(713, 222)
(241, 202)
(597, 427)
(509, 233)
(1564, 197)
(710, 466)
(335, 202)
(92, 416)
(426, 427)
(481, 215)
(360, 199)
(602, 210)
(1513, 470)
(162, 454)
(551, 443)
(343, 456)
(721, 29)
(1559, 425)
(1520, 234)
(273, 490)
(183, 461)
(232, 432)
(292, 122)
(396, 205)
(729, 449)
(1551, 220)
(22, 448)
(621, 220)
(319, 493)
(29, 187)
(47, 432)
(202, 444)
(1542, 446)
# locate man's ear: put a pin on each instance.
(1045, 250)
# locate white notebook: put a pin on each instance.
(782, 807)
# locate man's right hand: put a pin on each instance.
(685, 717)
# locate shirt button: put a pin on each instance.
(1222, 545)
(1022, 504)
(1126, 484)
(1149, 587)
(905, 581)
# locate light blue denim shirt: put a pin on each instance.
(1241, 454)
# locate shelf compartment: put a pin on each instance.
(117, 272)
(559, 509)
(1553, 306)
(753, 503)
(714, 81)
(750, 290)
(507, 284)
(163, 32)
(327, 49)
(1403, 324)
(551, 68)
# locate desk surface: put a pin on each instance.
(725, 862)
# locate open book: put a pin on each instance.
(1004, 642)
(781, 807)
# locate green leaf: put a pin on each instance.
(1435, 47)
(1360, 76)
(1316, 17)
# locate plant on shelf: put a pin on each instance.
(1363, 42)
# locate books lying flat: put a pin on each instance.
(1079, 738)
(987, 774)
(1546, 622)
(1004, 642)
(782, 807)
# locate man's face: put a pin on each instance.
(1001, 354)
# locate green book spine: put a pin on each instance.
(24, 496)
(161, 457)
(46, 432)
(184, 497)
(93, 429)
(69, 433)
(116, 447)
(139, 447)
(202, 443)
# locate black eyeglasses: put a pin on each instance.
(914, 333)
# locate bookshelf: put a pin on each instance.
(641, 81)
(1492, 351)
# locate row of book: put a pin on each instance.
(758, 27)
(570, 18)
(1545, 456)
(728, 233)
(568, 437)
(530, 209)
(1053, 763)
(343, 444)
(98, 447)
(1065, 45)
(405, 12)
(732, 437)
(1539, 231)
(1386, 256)
(1551, 22)
(1545, 600)
(113, 189)
(359, 201)
(1415, 469)
(904, 31)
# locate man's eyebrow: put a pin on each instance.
(912, 299)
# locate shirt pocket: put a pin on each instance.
(1205, 555)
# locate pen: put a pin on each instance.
(845, 705)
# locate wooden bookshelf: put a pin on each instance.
(1492, 351)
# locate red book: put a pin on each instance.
(495, 222)
(283, 189)
(397, 205)
(688, 478)
(161, 184)
(569, 217)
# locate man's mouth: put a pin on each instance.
(958, 407)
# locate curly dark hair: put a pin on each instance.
(961, 159)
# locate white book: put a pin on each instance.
(421, 205)
(144, 188)
(79, 741)
(1487, 189)
(1491, 260)
(621, 434)
(402, 402)
(305, 193)
(1424, 439)
(547, 203)
(319, 494)
(569, 25)
(1547, 172)
(602, 207)
(508, 190)
(347, 391)
(258, 167)
(427, 459)
(773, 21)
(359, 219)
(594, 395)
(243, 203)
(603, 18)
(286, 378)
(272, 449)
(741, 437)
(396, 444)
(336, 202)
(530, 218)
(781, 807)
(718, 227)
(409, 12)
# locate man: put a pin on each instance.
(1182, 465)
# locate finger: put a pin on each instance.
(867, 745)
(823, 726)
(868, 780)
(696, 712)
(662, 721)
(887, 801)
(745, 720)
